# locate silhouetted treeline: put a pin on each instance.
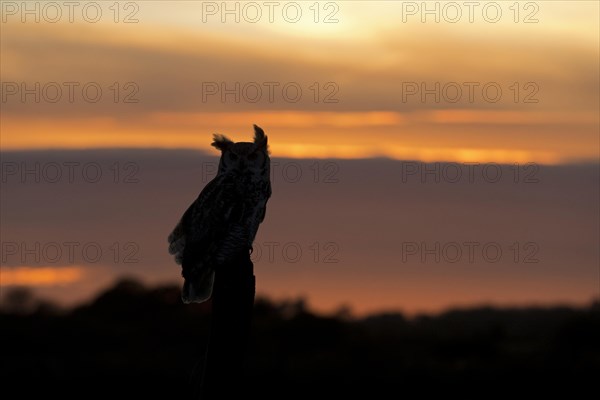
(137, 341)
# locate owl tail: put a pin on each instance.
(197, 290)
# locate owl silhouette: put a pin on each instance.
(223, 221)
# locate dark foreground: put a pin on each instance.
(135, 341)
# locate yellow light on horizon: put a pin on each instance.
(40, 276)
(308, 134)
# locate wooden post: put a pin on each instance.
(232, 303)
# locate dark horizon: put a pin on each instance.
(23, 300)
(144, 341)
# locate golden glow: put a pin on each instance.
(40, 276)
(512, 117)
(279, 119)
(296, 134)
(368, 53)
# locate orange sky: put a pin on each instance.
(376, 81)
(371, 69)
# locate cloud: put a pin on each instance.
(503, 92)
(172, 67)
(363, 209)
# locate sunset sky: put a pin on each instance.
(348, 81)
(370, 62)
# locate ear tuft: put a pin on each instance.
(221, 142)
(260, 139)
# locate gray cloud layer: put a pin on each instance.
(368, 209)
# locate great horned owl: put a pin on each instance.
(224, 219)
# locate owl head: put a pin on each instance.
(243, 157)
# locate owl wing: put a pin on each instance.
(196, 240)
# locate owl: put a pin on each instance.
(222, 223)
